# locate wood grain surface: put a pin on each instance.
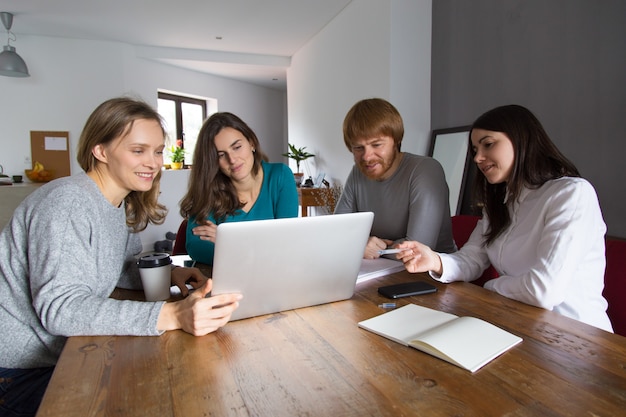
(315, 361)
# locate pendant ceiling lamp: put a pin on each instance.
(11, 64)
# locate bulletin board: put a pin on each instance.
(52, 150)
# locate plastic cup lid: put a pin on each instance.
(154, 260)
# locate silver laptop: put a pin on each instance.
(284, 264)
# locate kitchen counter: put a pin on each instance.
(11, 196)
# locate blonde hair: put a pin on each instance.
(110, 120)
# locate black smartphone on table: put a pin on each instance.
(407, 289)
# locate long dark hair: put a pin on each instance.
(110, 120)
(537, 160)
(209, 190)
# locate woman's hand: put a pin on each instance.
(374, 244)
(191, 276)
(419, 258)
(198, 315)
(206, 231)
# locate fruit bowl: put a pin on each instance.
(43, 175)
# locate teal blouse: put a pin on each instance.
(278, 199)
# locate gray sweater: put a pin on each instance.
(412, 204)
(62, 254)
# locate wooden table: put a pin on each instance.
(316, 197)
(316, 362)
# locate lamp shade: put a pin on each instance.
(11, 64)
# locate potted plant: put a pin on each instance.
(178, 155)
(298, 155)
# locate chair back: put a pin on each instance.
(181, 239)
(615, 284)
(462, 227)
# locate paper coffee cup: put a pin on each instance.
(155, 272)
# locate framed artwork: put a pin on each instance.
(317, 183)
(451, 148)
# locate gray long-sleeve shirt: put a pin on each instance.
(412, 204)
(63, 252)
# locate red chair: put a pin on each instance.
(615, 284)
(181, 238)
(462, 227)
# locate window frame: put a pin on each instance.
(178, 100)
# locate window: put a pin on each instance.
(183, 119)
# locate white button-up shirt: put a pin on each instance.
(551, 256)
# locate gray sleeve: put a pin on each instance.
(130, 278)
(429, 205)
(71, 277)
(347, 200)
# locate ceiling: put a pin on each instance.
(247, 40)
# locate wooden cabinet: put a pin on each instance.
(317, 197)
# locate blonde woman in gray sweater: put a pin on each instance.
(71, 242)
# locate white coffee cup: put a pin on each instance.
(155, 271)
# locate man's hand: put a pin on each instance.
(374, 244)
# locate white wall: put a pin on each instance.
(411, 30)
(69, 78)
(373, 48)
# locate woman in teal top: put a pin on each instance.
(231, 181)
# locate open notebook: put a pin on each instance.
(284, 264)
(467, 342)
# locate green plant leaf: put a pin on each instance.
(298, 154)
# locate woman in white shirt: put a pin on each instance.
(542, 227)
